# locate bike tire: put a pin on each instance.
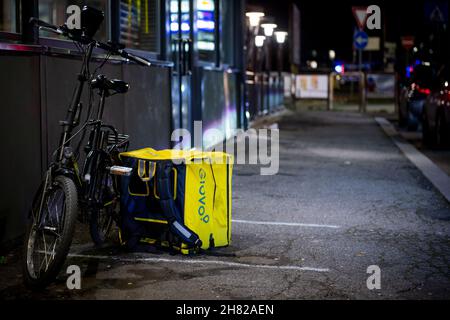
(41, 281)
(99, 237)
(101, 219)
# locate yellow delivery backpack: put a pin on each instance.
(177, 199)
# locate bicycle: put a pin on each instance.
(67, 193)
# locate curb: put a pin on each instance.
(431, 171)
(268, 119)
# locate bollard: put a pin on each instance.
(331, 91)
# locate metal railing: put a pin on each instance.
(265, 92)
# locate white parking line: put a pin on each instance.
(287, 224)
(199, 261)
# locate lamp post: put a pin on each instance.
(269, 29)
(254, 19)
(253, 44)
(280, 37)
(268, 80)
(332, 57)
(260, 41)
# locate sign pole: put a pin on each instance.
(359, 60)
(361, 89)
(361, 40)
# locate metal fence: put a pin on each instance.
(351, 91)
(265, 92)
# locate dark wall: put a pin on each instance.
(35, 91)
(147, 107)
(21, 135)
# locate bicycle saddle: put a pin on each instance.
(105, 84)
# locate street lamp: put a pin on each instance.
(332, 55)
(281, 36)
(269, 28)
(259, 41)
(254, 18)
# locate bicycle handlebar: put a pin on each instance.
(47, 26)
(66, 32)
(121, 52)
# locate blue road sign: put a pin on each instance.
(360, 39)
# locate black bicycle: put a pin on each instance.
(66, 192)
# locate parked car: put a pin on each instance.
(436, 112)
(412, 96)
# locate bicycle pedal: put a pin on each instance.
(121, 171)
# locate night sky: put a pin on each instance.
(330, 24)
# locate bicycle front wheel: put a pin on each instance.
(49, 236)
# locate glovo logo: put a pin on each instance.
(202, 196)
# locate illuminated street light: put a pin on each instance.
(259, 41)
(254, 18)
(332, 54)
(269, 28)
(281, 36)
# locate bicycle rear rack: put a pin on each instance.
(120, 139)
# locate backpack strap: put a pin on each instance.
(146, 170)
(170, 209)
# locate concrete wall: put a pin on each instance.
(35, 91)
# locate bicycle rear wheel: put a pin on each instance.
(50, 233)
(103, 213)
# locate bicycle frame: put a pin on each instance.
(97, 149)
(59, 166)
(69, 124)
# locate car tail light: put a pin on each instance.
(424, 91)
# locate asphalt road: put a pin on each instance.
(345, 199)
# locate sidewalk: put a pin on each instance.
(345, 198)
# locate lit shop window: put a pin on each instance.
(175, 17)
(54, 12)
(206, 28)
(139, 24)
(8, 14)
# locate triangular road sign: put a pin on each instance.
(436, 15)
(360, 14)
